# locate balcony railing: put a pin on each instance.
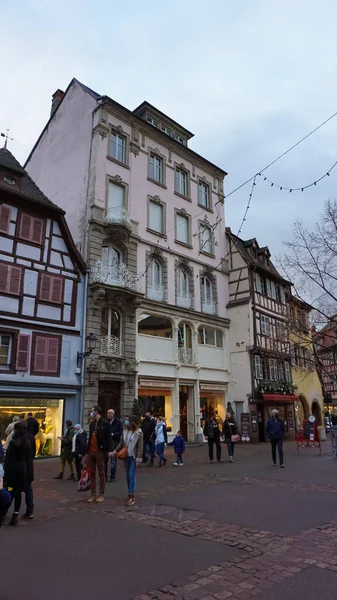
(156, 292)
(111, 346)
(186, 356)
(185, 300)
(115, 275)
(117, 216)
(208, 307)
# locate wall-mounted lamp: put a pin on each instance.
(91, 340)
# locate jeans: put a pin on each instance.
(211, 442)
(230, 446)
(96, 460)
(16, 496)
(149, 449)
(279, 445)
(179, 459)
(130, 470)
(63, 464)
(29, 498)
(113, 467)
(160, 452)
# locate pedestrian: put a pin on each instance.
(179, 448)
(161, 440)
(79, 448)
(230, 433)
(212, 435)
(66, 452)
(33, 426)
(5, 498)
(115, 432)
(10, 430)
(99, 444)
(132, 441)
(149, 435)
(2, 452)
(19, 468)
(275, 431)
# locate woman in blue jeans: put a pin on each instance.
(132, 440)
(161, 440)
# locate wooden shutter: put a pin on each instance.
(22, 354)
(5, 217)
(37, 231)
(31, 229)
(57, 290)
(52, 364)
(45, 287)
(14, 283)
(40, 353)
(25, 227)
(51, 288)
(4, 270)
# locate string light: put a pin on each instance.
(301, 188)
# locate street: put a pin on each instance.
(200, 532)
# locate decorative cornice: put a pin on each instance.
(116, 179)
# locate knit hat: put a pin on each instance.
(78, 426)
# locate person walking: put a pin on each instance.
(161, 440)
(79, 448)
(5, 497)
(10, 431)
(230, 433)
(275, 431)
(179, 448)
(149, 435)
(19, 468)
(115, 431)
(132, 441)
(33, 426)
(99, 444)
(66, 452)
(212, 435)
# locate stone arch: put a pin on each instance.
(317, 412)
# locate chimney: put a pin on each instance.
(56, 99)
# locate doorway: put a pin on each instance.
(109, 396)
(317, 413)
(186, 411)
(260, 423)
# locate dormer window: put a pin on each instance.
(9, 180)
(152, 121)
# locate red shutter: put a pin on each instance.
(40, 353)
(57, 290)
(52, 355)
(22, 355)
(4, 270)
(14, 284)
(37, 231)
(45, 287)
(25, 227)
(51, 288)
(5, 217)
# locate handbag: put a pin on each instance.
(84, 482)
(235, 438)
(123, 453)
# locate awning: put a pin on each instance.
(282, 398)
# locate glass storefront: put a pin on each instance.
(48, 413)
(159, 402)
(212, 402)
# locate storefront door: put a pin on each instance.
(183, 400)
(109, 396)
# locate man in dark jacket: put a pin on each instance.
(115, 431)
(32, 425)
(149, 438)
(99, 444)
(275, 431)
(66, 451)
(29, 497)
(213, 436)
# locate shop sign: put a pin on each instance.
(245, 427)
(156, 384)
(209, 387)
(253, 416)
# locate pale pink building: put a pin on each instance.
(147, 214)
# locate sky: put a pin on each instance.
(248, 77)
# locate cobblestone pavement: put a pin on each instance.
(268, 563)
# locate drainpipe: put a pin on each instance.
(252, 365)
(86, 278)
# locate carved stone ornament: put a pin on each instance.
(120, 233)
(156, 151)
(99, 295)
(204, 179)
(111, 364)
(183, 261)
(182, 166)
(134, 149)
(119, 129)
(182, 212)
(94, 364)
(157, 251)
(117, 179)
(156, 199)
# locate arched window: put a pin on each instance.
(185, 350)
(157, 326)
(210, 337)
(111, 257)
(207, 300)
(155, 288)
(111, 343)
(184, 297)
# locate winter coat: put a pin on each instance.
(229, 428)
(2, 452)
(79, 443)
(19, 467)
(32, 426)
(115, 432)
(104, 439)
(161, 433)
(275, 429)
(148, 428)
(211, 429)
(178, 444)
(134, 442)
(66, 445)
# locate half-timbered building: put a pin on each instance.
(41, 309)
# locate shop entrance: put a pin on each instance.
(261, 423)
(186, 412)
(109, 396)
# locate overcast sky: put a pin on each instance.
(248, 77)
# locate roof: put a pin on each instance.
(144, 105)
(28, 188)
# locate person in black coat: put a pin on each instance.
(229, 432)
(99, 444)
(79, 448)
(149, 438)
(213, 436)
(33, 426)
(115, 430)
(19, 468)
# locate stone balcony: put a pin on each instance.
(186, 356)
(185, 300)
(156, 292)
(118, 216)
(117, 276)
(111, 346)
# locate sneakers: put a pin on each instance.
(176, 464)
(14, 520)
(112, 479)
(274, 465)
(181, 465)
(91, 500)
(230, 459)
(130, 501)
(100, 499)
(283, 466)
(59, 476)
(71, 477)
(220, 460)
(28, 515)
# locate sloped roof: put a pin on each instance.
(28, 188)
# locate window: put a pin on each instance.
(156, 216)
(280, 330)
(111, 343)
(259, 283)
(183, 283)
(287, 372)
(22, 352)
(178, 138)
(181, 182)
(203, 194)
(152, 121)
(155, 290)
(296, 356)
(157, 326)
(182, 228)
(210, 337)
(116, 196)
(5, 217)
(273, 369)
(51, 288)
(206, 242)
(156, 168)
(10, 279)
(9, 180)
(258, 367)
(111, 257)
(273, 290)
(46, 355)
(5, 350)
(206, 293)
(166, 130)
(268, 286)
(304, 358)
(117, 147)
(31, 229)
(265, 327)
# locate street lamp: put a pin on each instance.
(91, 340)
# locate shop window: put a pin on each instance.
(210, 337)
(156, 326)
(159, 402)
(212, 402)
(6, 342)
(48, 413)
